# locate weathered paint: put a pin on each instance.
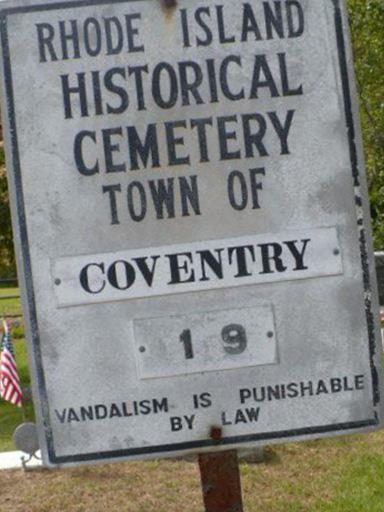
(75, 196)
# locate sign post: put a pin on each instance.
(220, 480)
(191, 216)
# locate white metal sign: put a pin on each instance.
(190, 210)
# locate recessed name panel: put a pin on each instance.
(196, 266)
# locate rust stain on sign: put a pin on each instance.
(169, 3)
(169, 7)
(216, 433)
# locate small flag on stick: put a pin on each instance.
(10, 388)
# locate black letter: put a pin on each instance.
(72, 36)
(221, 26)
(300, 28)
(133, 32)
(282, 131)
(224, 78)
(249, 24)
(298, 255)
(108, 23)
(84, 278)
(147, 273)
(78, 153)
(274, 20)
(97, 93)
(202, 136)
(261, 65)
(176, 267)
(243, 191)
(115, 89)
(163, 195)
(241, 259)
(212, 80)
(67, 91)
(208, 40)
(173, 142)
(256, 186)
(137, 217)
(192, 86)
(214, 264)
(266, 257)
(184, 26)
(144, 150)
(96, 37)
(45, 41)
(110, 148)
(138, 71)
(224, 136)
(111, 190)
(254, 139)
(189, 194)
(284, 78)
(129, 274)
(156, 89)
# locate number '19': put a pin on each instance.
(233, 335)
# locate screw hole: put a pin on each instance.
(336, 252)
(169, 3)
(142, 349)
(57, 282)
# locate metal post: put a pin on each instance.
(220, 480)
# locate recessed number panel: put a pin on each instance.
(201, 342)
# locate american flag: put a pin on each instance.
(10, 388)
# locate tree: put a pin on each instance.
(367, 22)
(7, 255)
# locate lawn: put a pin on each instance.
(338, 475)
(9, 307)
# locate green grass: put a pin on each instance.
(343, 474)
(361, 487)
(9, 306)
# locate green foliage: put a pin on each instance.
(18, 332)
(367, 22)
(7, 256)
